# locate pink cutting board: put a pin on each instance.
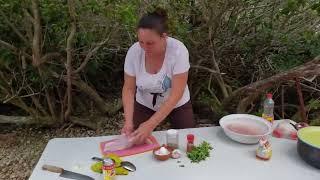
(150, 144)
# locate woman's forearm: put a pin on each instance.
(128, 103)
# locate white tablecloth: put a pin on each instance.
(229, 160)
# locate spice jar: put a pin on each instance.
(172, 139)
(190, 142)
(264, 150)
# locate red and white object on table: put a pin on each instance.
(285, 129)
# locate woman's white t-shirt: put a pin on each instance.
(154, 89)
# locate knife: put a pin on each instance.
(65, 173)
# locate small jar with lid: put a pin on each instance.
(172, 139)
(190, 142)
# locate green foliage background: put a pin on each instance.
(251, 40)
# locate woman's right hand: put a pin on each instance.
(127, 128)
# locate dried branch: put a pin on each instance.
(28, 95)
(13, 92)
(24, 120)
(218, 76)
(207, 69)
(17, 101)
(309, 87)
(9, 46)
(307, 69)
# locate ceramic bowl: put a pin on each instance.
(245, 128)
(161, 157)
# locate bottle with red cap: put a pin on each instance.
(268, 107)
(190, 142)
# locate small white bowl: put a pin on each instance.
(245, 128)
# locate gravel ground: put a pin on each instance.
(21, 147)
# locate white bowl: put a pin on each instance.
(245, 128)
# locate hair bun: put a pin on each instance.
(155, 20)
(160, 12)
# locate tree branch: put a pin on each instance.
(14, 28)
(70, 39)
(37, 34)
(49, 56)
(28, 15)
(90, 54)
(218, 76)
(38, 105)
(307, 69)
(109, 108)
(51, 105)
(207, 69)
(8, 46)
(14, 49)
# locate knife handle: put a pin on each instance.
(54, 169)
(97, 159)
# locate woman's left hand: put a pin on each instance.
(140, 135)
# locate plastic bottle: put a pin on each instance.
(268, 107)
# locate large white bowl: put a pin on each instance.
(258, 124)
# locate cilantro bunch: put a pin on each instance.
(200, 153)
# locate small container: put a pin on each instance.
(161, 157)
(108, 169)
(172, 139)
(264, 150)
(190, 142)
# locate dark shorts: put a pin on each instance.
(180, 118)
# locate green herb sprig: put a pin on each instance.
(200, 153)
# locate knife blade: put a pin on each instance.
(65, 173)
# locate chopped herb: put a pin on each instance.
(200, 153)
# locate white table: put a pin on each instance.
(229, 160)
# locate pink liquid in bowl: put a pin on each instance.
(246, 129)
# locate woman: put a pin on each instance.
(155, 80)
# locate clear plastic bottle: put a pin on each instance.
(268, 107)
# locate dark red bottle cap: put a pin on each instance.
(190, 138)
(269, 96)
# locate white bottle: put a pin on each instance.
(172, 139)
